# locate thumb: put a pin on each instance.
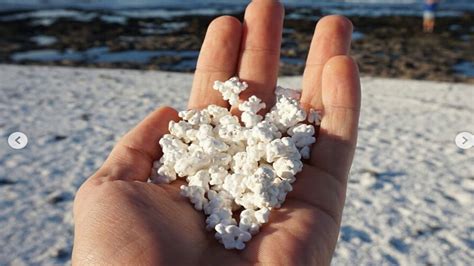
(133, 156)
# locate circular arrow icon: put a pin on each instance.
(17, 140)
(464, 140)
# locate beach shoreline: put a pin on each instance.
(384, 46)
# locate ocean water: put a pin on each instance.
(348, 7)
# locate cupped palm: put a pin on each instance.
(122, 219)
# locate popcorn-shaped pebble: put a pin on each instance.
(262, 215)
(195, 195)
(261, 190)
(264, 197)
(250, 119)
(230, 166)
(195, 117)
(263, 132)
(253, 105)
(173, 149)
(301, 129)
(194, 148)
(232, 236)
(216, 113)
(283, 147)
(314, 117)
(189, 165)
(213, 145)
(283, 187)
(236, 146)
(154, 170)
(229, 120)
(256, 152)
(165, 174)
(230, 89)
(204, 131)
(248, 222)
(290, 93)
(287, 168)
(303, 140)
(305, 152)
(217, 174)
(220, 216)
(272, 196)
(171, 144)
(217, 201)
(179, 129)
(286, 113)
(302, 135)
(251, 220)
(249, 201)
(233, 184)
(230, 132)
(221, 159)
(243, 164)
(200, 179)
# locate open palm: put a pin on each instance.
(122, 219)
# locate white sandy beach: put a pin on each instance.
(410, 194)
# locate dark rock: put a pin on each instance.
(6, 182)
(86, 117)
(59, 138)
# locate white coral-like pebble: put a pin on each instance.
(314, 117)
(230, 89)
(287, 113)
(250, 119)
(305, 152)
(251, 221)
(200, 179)
(231, 165)
(280, 148)
(232, 237)
(302, 135)
(195, 195)
(290, 93)
(166, 174)
(252, 105)
(220, 216)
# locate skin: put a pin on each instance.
(428, 25)
(122, 219)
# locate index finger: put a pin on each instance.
(217, 61)
(260, 52)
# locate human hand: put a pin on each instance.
(122, 219)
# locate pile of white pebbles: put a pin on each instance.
(231, 165)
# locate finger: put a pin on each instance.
(334, 149)
(133, 156)
(217, 61)
(260, 48)
(332, 37)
